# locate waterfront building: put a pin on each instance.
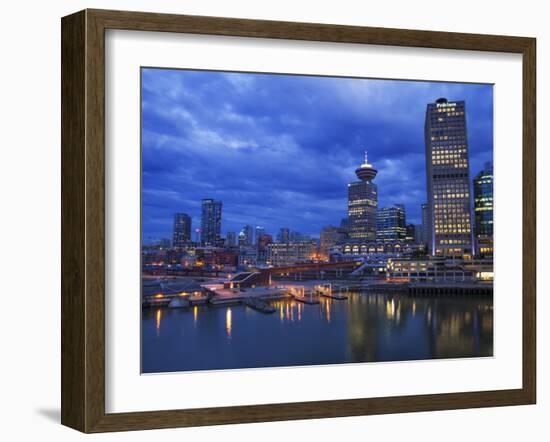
(374, 248)
(182, 230)
(258, 233)
(216, 258)
(230, 239)
(448, 179)
(363, 204)
(211, 221)
(284, 254)
(483, 211)
(330, 236)
(390, 223)
(246, 237)
(439, 270)
(284, 235)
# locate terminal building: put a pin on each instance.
(439, 270)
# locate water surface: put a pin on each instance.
(364, 328)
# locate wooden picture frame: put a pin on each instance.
(83, 219)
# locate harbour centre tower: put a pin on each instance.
(363, 204)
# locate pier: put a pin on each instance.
(442, 289)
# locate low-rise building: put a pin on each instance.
(291, 253)
(439, 270)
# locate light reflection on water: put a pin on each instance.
(364, 328)
(228, 322)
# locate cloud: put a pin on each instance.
(279, 150)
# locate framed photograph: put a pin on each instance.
(269, 220)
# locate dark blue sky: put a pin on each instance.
(279, 150)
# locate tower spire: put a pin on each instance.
(366, 172)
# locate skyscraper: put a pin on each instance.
(363, 204)
(258, 233)
(284, 235)
(182, 230)
(448, 179)
(390, 223)
(211, 221)
(246, 236)
(483, 210)
(231, 239)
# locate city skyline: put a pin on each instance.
(294, 152)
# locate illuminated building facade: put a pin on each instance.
(363, 204)
(182, 230)
(439, 270)
(211, 221)
(483, 211)
(448, 179)
(283, 254)
(391, 223)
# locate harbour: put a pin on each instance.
(366, 327)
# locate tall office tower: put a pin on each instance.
(231, 239)
(391, 223)
(448, 179)
(363, 204)
(246, 237)
(211, 222)
(483, 210)
(182, 230)
(258, 233)
(425, 224)
(284, 235)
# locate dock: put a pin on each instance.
(307, 299)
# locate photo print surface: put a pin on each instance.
(293, 220)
